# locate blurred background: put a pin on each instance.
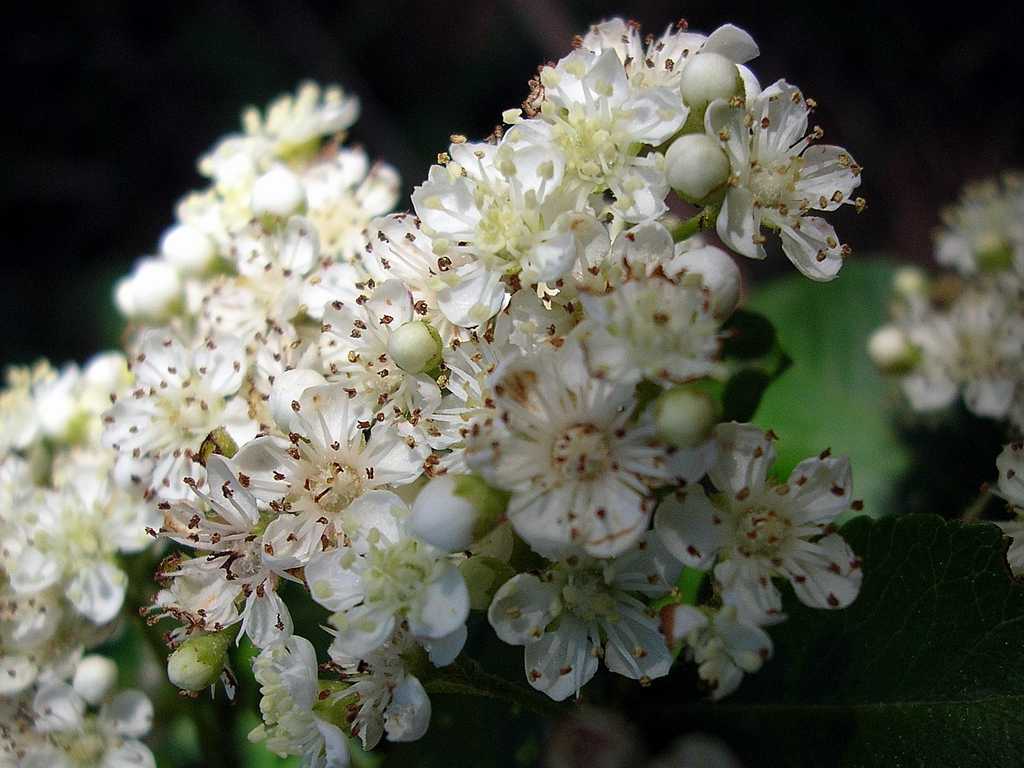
(109, 106)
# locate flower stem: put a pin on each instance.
(976, 507)
(702, 221)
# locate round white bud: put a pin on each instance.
(684, 417)
(288, 388)
(278, 192)
(892, 351)
(718, 273)
(106, 371)
(709, 76)
(415, 347)
(910, 283)
(453, 511)
(187, 248)
(150, 291)
(696, 166)
(94, 678)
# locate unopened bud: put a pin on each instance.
(684, 417)
(94, 678)
(696, 166)
(288, 388)
(151, 291)
(718, 273)
(198, 662)
(709, 76)
(187, 248)
(453, 511)
(892, 351)
(415, 347)
(910, 283)
(278, 192)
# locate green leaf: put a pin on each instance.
(832, 396)
(747, 335)
(925, 668)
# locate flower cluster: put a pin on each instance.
(962, 336)
(501, 401)
(64, 524)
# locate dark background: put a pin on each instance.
(109, 106)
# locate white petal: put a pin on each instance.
(522, 608)
(407, 717)
(300, 249)
(476, 296)
(819, 489)
(129, 713)
(561, 662)
(744, 457)
(331, 583)
(635, 648)
(362, 630)
(1010, 464)
(736, 224)
(267, 621)
(813, 248)
(58, 708)
(97, 591)
(221, 364)
(825, 574)
(732, 42)
(130, 754)
(443, 605)
(444, 650)
(747, 586)
(336, 752)
(691, 527)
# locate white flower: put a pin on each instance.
(1010, 464)
(179, 396)
(240, 556)
(723, 647)
(580, 610)
(502, 204)
(79, 739)
(651, 325)
(778, 176)
(976, 348)
(290, 123)
(451, 289)
(344, 193)
(598, 121)
(70, 536)
(357, 342)
(20, 423)
(983, 232)
(380, 696)
(386, 577)
(327, 462)
(758, 529)
(289, 690)
(660, 61)
(562, 443)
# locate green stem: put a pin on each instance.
(686, 591)
(701, 222)
(466, 677)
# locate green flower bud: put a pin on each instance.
(197, 663)
(415, 347)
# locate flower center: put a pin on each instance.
(581, 452)
(762, 532)
(396, 574)
(334, 486)
(774, 184)
(587, 597)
